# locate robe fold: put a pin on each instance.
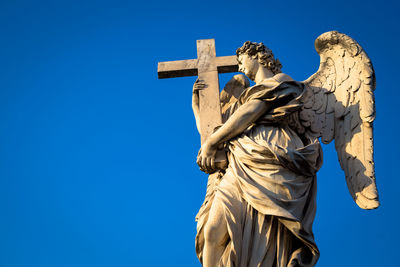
(268, 190)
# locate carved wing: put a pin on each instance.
(230, 94)
(339, 104)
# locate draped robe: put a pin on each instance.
(268, 190)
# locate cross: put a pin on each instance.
(206, 66)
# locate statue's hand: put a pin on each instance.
(206, 157)
(198, 85)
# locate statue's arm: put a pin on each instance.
(195, 102)
(240, 120)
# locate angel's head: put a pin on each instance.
(259, 52)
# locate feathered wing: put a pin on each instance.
(339, 104)
(230, 94)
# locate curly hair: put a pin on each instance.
(262, 53)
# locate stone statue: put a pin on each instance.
(260, 206)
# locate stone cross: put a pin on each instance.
(206, 66)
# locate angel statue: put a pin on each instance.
(260, 209)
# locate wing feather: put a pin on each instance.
(339, 104)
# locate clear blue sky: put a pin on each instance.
(97, 156)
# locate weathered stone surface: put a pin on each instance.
(260, 209)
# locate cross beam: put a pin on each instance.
(189, 67)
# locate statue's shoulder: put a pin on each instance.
(275, 80)
(282, 77)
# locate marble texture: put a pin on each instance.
(260, 204)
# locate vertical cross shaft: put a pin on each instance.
(209, 102)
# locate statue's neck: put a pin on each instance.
(262, 74)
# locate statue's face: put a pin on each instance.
(248, 65)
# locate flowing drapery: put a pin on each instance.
(268, 190)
